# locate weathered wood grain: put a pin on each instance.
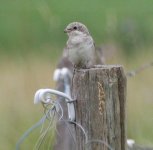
(100, 107)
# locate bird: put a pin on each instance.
(80, 46)
(80, 52)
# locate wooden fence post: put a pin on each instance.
(100, 107)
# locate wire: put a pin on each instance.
(27, 133)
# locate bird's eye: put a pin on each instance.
(74, 27)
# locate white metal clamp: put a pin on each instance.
(45, 96)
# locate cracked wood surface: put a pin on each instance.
(103, 118)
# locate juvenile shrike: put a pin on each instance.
(80, 46)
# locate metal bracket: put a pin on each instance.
(45, 96)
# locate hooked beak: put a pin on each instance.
(67, 30)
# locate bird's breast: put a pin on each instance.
(81, 52)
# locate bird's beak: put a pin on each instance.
(67, 30)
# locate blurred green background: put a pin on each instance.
(31, 42)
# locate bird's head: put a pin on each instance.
(76, 28)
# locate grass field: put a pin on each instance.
(30, 25)
(20, 80)
(32, 38)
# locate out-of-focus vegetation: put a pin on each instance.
(38, 25)
(32, 39)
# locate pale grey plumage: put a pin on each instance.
(80, 46)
